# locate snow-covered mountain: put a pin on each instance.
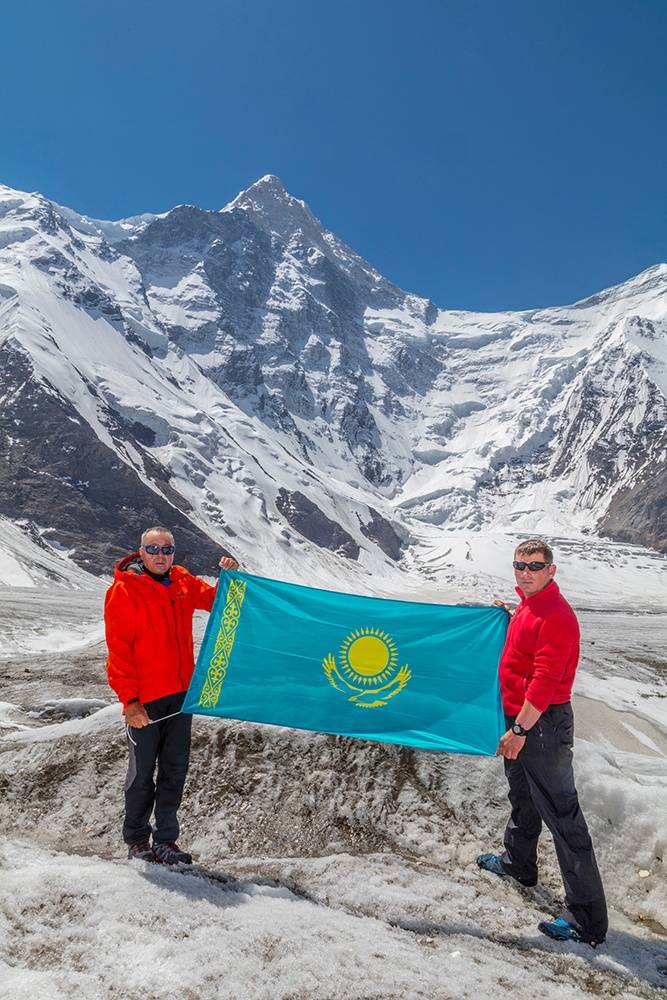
(246, 378)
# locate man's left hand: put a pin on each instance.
(510, 745)
(227, 562)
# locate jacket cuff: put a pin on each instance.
(130, 701)
(539, 699)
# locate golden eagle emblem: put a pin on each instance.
(367, 668)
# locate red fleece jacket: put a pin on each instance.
(541, 651)
(149, 630)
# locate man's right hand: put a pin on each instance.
(503, 604)
(228, 562)
(135, 715)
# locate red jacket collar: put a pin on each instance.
(132, 565)
(544, 596)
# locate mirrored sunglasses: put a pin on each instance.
(153, 550)
(534, 567)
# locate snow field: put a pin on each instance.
(418, 920)
(83, 927)
(341, 870)
(59, 621)
(623, 798)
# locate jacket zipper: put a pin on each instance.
(180, 651)
(173, 631)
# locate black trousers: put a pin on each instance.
(541, 787)
(167, 745)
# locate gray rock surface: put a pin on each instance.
(306, 518)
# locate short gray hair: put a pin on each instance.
(532, 546)
(162, 531)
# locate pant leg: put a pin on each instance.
(523, 828)
(173, 760)
(139, 785)
(547, 763)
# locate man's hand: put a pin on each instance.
(510, 745)
(135, 716)
(227, 562)
(502, 604)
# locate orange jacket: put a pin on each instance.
(149, 630)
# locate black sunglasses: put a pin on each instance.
(153, 550)
(534, 567)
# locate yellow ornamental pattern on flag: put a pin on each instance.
(367, 668)
(217, 668)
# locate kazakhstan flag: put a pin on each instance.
(423, 675)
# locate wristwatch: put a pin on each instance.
(519, 730)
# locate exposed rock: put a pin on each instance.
(638, 514)
(307, 518)
(381, 531)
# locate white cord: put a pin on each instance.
(163, 717)
(151, 722)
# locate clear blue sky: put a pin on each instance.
(486, 153)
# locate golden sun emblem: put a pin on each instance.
(367, 668)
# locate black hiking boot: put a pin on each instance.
(141, 851)
(171, 854)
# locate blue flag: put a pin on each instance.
(422, 675)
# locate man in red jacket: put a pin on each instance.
(148, 619)
(537, 670)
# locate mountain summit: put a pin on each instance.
(244, 376)
(265, 194)
(269, 206)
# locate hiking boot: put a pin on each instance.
(492, 863)
(171, 854)
(561, 929)
(141, 851)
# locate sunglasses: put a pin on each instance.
(534, 567)
(153, 550)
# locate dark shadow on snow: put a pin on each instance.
(196, 882)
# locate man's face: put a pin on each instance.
(158, 563)
(533, 580)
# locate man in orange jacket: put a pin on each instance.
(537, 670)
(148, 619)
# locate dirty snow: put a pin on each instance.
(328, 868)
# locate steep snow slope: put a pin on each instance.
(28, 558)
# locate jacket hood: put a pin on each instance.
(128, 564)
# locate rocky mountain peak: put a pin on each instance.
(274, 210)
(269, 186)
(265, 192)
